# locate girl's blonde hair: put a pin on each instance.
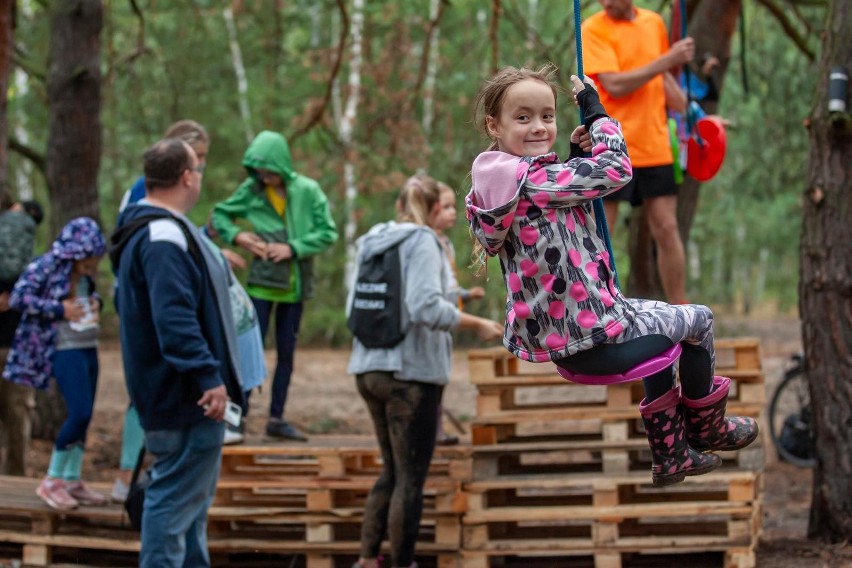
(489, 100)
(418, 198)
(189, 131)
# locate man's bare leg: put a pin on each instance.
(611, 212)
(671, 259)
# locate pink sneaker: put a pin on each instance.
(54, 493)
(84, 495)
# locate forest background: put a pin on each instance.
(245, 66)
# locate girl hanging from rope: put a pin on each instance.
(535, 213)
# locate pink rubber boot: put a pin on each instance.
(671, 456)
(707, 427)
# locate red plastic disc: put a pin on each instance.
(706, 148)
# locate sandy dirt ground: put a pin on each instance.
(323, 399)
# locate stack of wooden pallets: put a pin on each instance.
(296, 504)
(562, 471)
(41, 531)
(309, 499)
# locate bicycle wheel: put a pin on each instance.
(791, 419)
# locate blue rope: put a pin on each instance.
(690, 116)
(578, 43)
(597, 204)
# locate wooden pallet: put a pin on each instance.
(326, 457)
(616, 449)
(603, 510)
(546, 557)
(505, 383)
(441, 494)
(341, 526)
(26, 520)
(543, 391)
(611, 517)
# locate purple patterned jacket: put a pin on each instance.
(535, 214)
(38, 295)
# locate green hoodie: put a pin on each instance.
(307, 225)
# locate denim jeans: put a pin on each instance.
(183, 481)
(287, 319)
(405, 417)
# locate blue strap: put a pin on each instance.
(597, 204)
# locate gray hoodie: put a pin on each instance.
(425, 355)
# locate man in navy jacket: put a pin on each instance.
(178, 344)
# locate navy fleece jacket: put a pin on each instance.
(171, 332)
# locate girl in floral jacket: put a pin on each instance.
(57, 336)
(535, 213)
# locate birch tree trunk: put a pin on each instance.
(532, 18)
(431, 71)
(825, 288)
(346, 128)
(7, 8)
(24, 171)
(240, 71)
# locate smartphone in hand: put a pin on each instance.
(233, 414)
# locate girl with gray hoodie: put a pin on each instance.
(401, 384)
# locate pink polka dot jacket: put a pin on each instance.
(535, 214)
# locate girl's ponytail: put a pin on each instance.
(418, 198)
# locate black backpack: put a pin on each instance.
(375, 317)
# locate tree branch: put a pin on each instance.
(320, 111)
(515, 15)
(791, 32)
(38, 160)
(424, 58)
(140, 49)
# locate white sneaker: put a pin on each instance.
(233, 437)
(119, 491)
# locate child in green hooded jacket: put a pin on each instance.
(290, 223)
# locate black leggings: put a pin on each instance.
(613, 358)
(404, 414)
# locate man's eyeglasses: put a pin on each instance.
(199, 168)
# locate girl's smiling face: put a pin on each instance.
(526, 125)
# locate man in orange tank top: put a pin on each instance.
(626, 50)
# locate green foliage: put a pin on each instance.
(182, 67)
(746, 233)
